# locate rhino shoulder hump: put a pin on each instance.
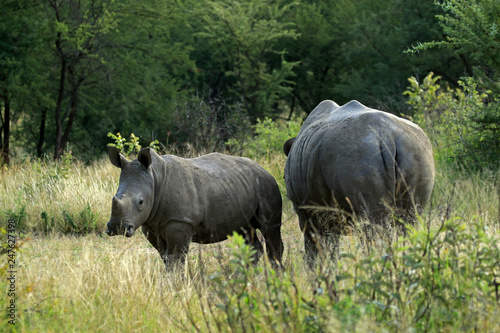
(322, 110)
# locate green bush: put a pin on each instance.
(462, 122)
(205, 124)
(442, 279)
(82, 223)
(253, 298)
(16, 213)
(268, 139)
(130, 147)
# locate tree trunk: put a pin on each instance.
(69, 124)
(58, 148)
(41, 136)
(6, 132)
(4, 151)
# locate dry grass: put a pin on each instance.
(34, 190)
(102, 283)
(92, 282)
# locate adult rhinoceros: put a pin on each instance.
(204, 199)
(355, 163)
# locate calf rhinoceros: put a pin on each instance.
(355, 163)
(204, 199)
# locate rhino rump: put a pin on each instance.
(365, 162)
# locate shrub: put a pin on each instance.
(205, 125)
(435, 279)
(130, 147)
(460, 122)
(253, 298)
(268, 138)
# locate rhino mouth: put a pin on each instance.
(125, 229)
(129, 231)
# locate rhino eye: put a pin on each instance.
(141, 202)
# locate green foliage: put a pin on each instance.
(254, 298)
(245, 36)
(268, 138)
(83, 223)
(469, 124)
(204, 125)
(433, 280)
(73, 72)
(151, 69)
(462, 123)
(354, 50)
(472, 28)
(125, 147)
(438, 279)
(132, 146)
(16, 213)
(63, 167)
(48, 223)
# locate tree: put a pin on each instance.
(72, 71)
(81, 28)
(472, 28)
(91, 67)
(354, 49)
(150, 68)
(21, 80)
(472, 31)
(244, 59)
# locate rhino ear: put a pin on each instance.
(144, 157)
(116, 158)
(288, 145)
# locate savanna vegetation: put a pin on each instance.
(70, 276)
(191, 77)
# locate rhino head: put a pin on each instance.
(134, 199)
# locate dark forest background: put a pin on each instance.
(73, 71)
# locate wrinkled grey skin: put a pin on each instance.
(204, 199)
(359, 163)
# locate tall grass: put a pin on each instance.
(443, 277)
(68, 197)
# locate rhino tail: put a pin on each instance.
(403, 200)
(392, 173)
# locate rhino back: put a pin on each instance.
(324, 109)
(215, 193)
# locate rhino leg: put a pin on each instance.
(312, 238)
(321, 246)
(274, 244)
(252, 239)
(268, 220)
(310, 247)
(320, 239)
(178, 237)
(271, 230)
(157, 243)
